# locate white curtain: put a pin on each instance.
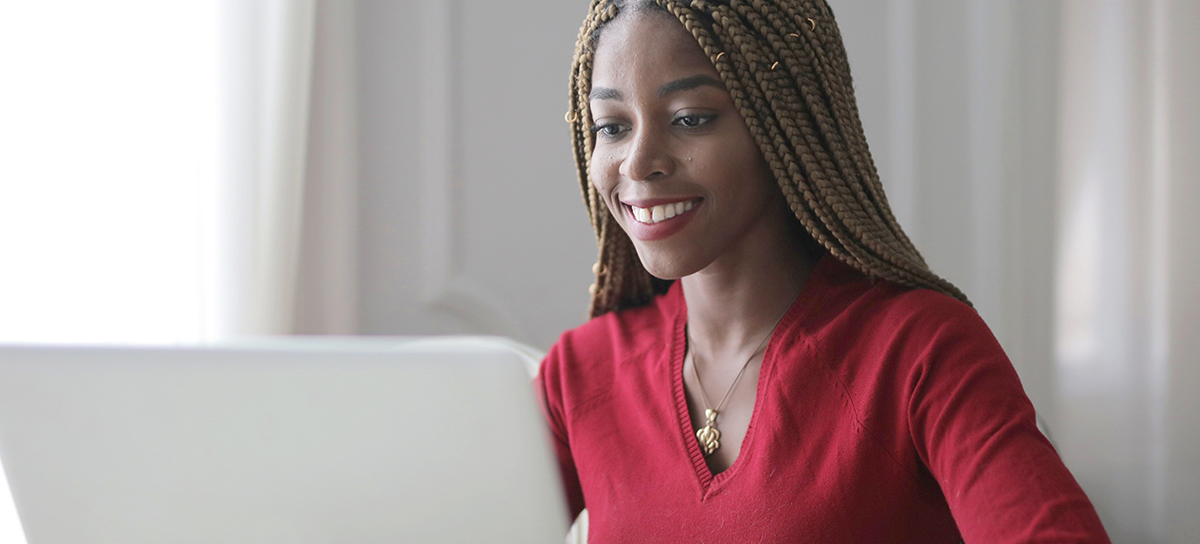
(152, 172)
(1128, 308)
(256, 206)
(327, 279)
(152, 168)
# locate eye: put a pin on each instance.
(694, 120)
(608, 131)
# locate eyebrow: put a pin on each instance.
(605, 93)
(689, 83)
(685, 84)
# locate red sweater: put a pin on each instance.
(882, 415)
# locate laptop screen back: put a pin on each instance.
(297, 442)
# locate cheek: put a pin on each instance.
(739, 180)
(602, 171)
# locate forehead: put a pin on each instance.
(644, 49)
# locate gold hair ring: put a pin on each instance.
(719, 55)
(812, 24)
(794, 35)
(774, 65)
(569, 116)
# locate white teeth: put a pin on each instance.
(661, 212)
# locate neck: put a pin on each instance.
(735, 302)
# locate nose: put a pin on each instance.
(647, 156)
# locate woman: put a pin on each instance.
(769, 357)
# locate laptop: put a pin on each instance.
(279, 441)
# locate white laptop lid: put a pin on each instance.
(296, 441)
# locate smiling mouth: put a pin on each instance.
(661, 212)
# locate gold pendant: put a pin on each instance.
(708, 435)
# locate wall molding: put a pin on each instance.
(444, 288)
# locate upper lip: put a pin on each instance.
(651, 202)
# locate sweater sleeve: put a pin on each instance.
(549, 387)
(975, 429)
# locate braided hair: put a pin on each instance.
(786, 69)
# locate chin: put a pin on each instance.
(663, 265)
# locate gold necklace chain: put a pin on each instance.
(708, 436)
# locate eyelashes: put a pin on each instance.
(694, 120)
(606, 128)
(689, 122)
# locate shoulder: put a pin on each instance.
(918, 315)
(585, 360)
(846, 300)
(858, 321)
(614, 334)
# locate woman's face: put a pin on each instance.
(673, 160)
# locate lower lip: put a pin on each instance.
(661, 229)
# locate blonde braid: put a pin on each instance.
(785, 67)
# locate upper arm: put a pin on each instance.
(549, 386)
(976, 431)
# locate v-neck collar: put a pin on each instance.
(709, 483)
